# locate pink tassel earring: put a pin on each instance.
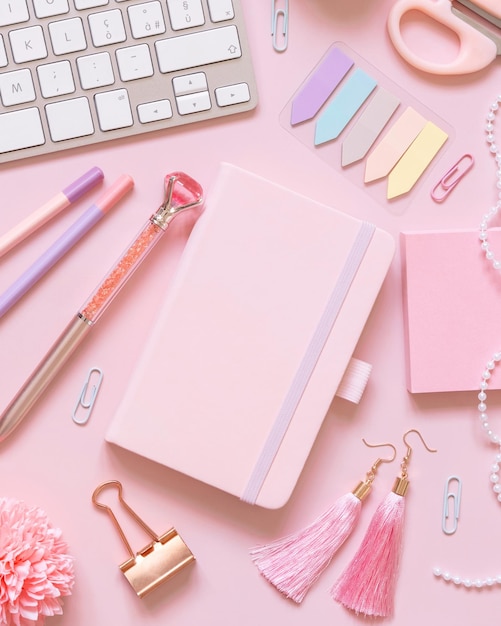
(293, 563)
(367, 585)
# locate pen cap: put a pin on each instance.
(83, 184)
(115, 192)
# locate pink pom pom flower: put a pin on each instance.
(35, 568)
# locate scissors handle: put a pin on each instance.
(476, 51)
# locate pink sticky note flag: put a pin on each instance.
(393, 145)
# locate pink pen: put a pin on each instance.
(181, 193)
(65, 242)
(60, 201)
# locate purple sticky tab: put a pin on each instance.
(83, 184)
(319, 86)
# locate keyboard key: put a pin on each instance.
(185, 13)
(193, 103)
(56, 79)
(201, 48)
(232, 94)
(154, 111)
(13, 12)
(28, 44)
(134, 62)
(16, 87)
(189, 83)
(95, 70)
(113, 109)
(67, 36)
(50, 8)
(107, 27)
(146, 19)
(221, 10)
(90, 4)
(3, 55)
(69, 119)
(20, 129)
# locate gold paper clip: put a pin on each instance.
(280, 15)
(453, 496)
(165, 556)
(451, 178)
(85, 402)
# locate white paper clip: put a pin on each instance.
(451, 178)
(87, 398)
(282, 16)
(452, 500)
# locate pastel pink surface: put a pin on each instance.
(55, 464)
(451, 310)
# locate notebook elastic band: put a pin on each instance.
(308, 363)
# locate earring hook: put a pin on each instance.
(381, 445)
(409, 448)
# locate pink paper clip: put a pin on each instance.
(451, 178)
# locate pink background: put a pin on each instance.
(55, 464)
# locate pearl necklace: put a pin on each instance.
(496, 264)
(493, 149)
(476, 583)
(491, 364)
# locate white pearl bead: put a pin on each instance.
(494, 478)
(437, 571)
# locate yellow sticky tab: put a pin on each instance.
(415, 160)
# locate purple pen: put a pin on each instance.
(65, 242)
(47, 211)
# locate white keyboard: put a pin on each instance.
(78, 72)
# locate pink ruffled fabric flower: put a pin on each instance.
(35, 568)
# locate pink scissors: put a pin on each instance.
(478, 45)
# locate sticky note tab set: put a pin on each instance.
(370, 129)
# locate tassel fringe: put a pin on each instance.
(367, 585)
(294, 563)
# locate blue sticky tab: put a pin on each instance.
(344, 105)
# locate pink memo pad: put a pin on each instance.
(241, 345)
(452, 308)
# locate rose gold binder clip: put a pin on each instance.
(165, 556)
(451, 178)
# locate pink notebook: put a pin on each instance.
(260, 324)
(452, 309)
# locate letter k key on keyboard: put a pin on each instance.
(78, 72)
